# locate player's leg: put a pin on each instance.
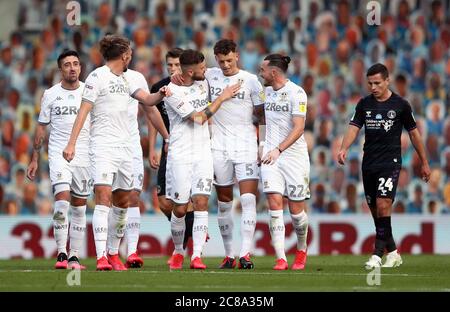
(178, 189)
(200, 229)
(201, 185)
(61, 177)
(133, 214)
(387, 186)
(223, 182)
(80, 190)
(117, 220)
(132, 231)
(300, 223)
(61, 223)
(274, 187)
(370, 190)
(165, 204)
(76, 231)
(248, 176)
(104, 167)
(296, 174)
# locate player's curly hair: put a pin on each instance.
(278, 60)
(224, 46)
(113, 46)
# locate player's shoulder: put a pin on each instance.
(176, 89)
(395, 98)
(56, 88)
(295, 89)
(98, 73)
(248, 75)
(133, 74)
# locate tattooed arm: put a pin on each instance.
(39, 137)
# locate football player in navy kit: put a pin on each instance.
(384, 115)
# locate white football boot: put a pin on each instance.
(374, 262)
(393, 260)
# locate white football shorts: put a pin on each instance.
(288, 176)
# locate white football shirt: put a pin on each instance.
(110, 97)
(135, 78)
(188, 140)
(59, 109)
(232, 125)
(280, 106)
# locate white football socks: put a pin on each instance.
(132, 229)
(61, 224)
(177, 227)
(277, 231)
(199, 232)
(226, 225)
(300, 223)
(248, 222)
(117, 221)
(100, 228)
(77, 229)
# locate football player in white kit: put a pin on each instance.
(106, 97)
(133, 213)
(285, 161)
(70, 182)
(189, 172)
(235, 149)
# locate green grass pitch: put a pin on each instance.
(421, 273)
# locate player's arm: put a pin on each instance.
(416, 141)
(203, 116)
(297, 131)
(69, 151)
(39, 137)
(349, 137)
(152, 133)
(151, 99)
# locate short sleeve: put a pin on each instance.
(91, 88)
(299, 101)
(357, 119)
(408, 120)
(180, 106)
(46, 108)
(256, 92)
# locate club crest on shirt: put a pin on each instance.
(241, 81)
(391, 114)
(202, 89)
(283, 96)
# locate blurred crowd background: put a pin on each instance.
(331, 46)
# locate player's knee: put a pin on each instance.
(134, 199)
(77, 201)
(384, 206)
(60, 212)
(179, 210)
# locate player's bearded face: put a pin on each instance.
(199, 71)
(70, 69)
(265, 74)
(126, 59)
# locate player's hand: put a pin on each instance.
(31, 170)
(177, 79)
(230, 91)
(271, 157)
(165, 91)
(153, 159)
(342, 155)
(69, 153)
(426, 172)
